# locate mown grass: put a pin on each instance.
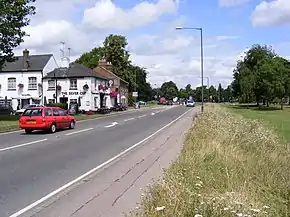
(229, 166)
(274, 117)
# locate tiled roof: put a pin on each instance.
(74, 70)
(36, 63)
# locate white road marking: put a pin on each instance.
(80, 131)
(130, 119)
(112, 125)
(22, 145)
(142, 116)
(48, 196)
(152, 113)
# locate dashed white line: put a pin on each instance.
(142, 116)
(22, 145)
(130, 119)
(112, 125)
(48, 196)
(80, 131)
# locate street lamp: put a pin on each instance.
(207, 78)
(201, 58)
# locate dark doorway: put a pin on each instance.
(102, 97)
(64, 100)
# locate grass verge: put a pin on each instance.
(229, 166)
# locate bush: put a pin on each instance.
(60, 105)
(9, 117)
(229, 166)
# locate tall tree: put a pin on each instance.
(169, 90)
(14, 15)
(91, 59)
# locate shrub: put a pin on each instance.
(60, 105)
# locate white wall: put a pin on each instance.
(20, 93)
(50, 66)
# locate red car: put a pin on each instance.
(45, 118)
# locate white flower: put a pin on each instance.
(160, 208)
(226, 208)
(255, 210)
(197, 215)
(198, 185)
(266, 207)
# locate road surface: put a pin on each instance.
(32, 166)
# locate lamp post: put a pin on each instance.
(201, 58)
(207, 78)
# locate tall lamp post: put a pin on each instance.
(201, 58)
(55, 87)
(207, 78)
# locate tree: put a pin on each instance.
(91, 59)
(169, 90)
(13, 17)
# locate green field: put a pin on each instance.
(273, 116)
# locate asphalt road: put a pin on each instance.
(32, 166)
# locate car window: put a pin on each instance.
(32, 112)
(48, 112)
(55, 112)
(62, 113)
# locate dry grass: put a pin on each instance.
(229, 166)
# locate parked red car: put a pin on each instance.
(45, 118)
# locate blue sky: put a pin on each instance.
(230, 26)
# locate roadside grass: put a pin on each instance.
(272, 116)
(229, 166)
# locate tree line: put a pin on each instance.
(262, 77)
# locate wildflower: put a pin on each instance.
(198, 184)
(255, 210)
(226, 208)
(198, 177)
(266, 207)
(197, 215)
(240, 214)
(160, 208)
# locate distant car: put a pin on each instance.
(190, 103)
(120, 107)
(45, 118)
(6, 109)
(169, 102)
(20, 111)
(142, 103)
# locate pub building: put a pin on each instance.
(75, 84)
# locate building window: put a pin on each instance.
(32, 83)
(73, 84)
(51, 85)
(50, 101)
(11, 83)
(73, 101)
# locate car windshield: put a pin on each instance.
(28, 106)
(33, 112)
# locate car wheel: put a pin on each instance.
(52, 128)
(72, 125)
(27, 131)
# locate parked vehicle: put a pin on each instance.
(190, 103)
(45, 118)
(169, 102)
(142, 103)
(20, 111)
(6, 109)
(120, 107)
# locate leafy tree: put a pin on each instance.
(169, 90)
(13, 17)
(91, 59)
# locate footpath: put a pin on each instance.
(118, 188)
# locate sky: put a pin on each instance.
(230, 27)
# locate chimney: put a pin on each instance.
(103, 63)
(25, 59)
(65, 61)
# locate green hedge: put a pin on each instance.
(60, 105)
(9, 117)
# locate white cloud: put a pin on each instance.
(170, 55)
(105, 14)
(229, 3)
(271, 13)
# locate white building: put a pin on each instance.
(21, 80)
(73, 83)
